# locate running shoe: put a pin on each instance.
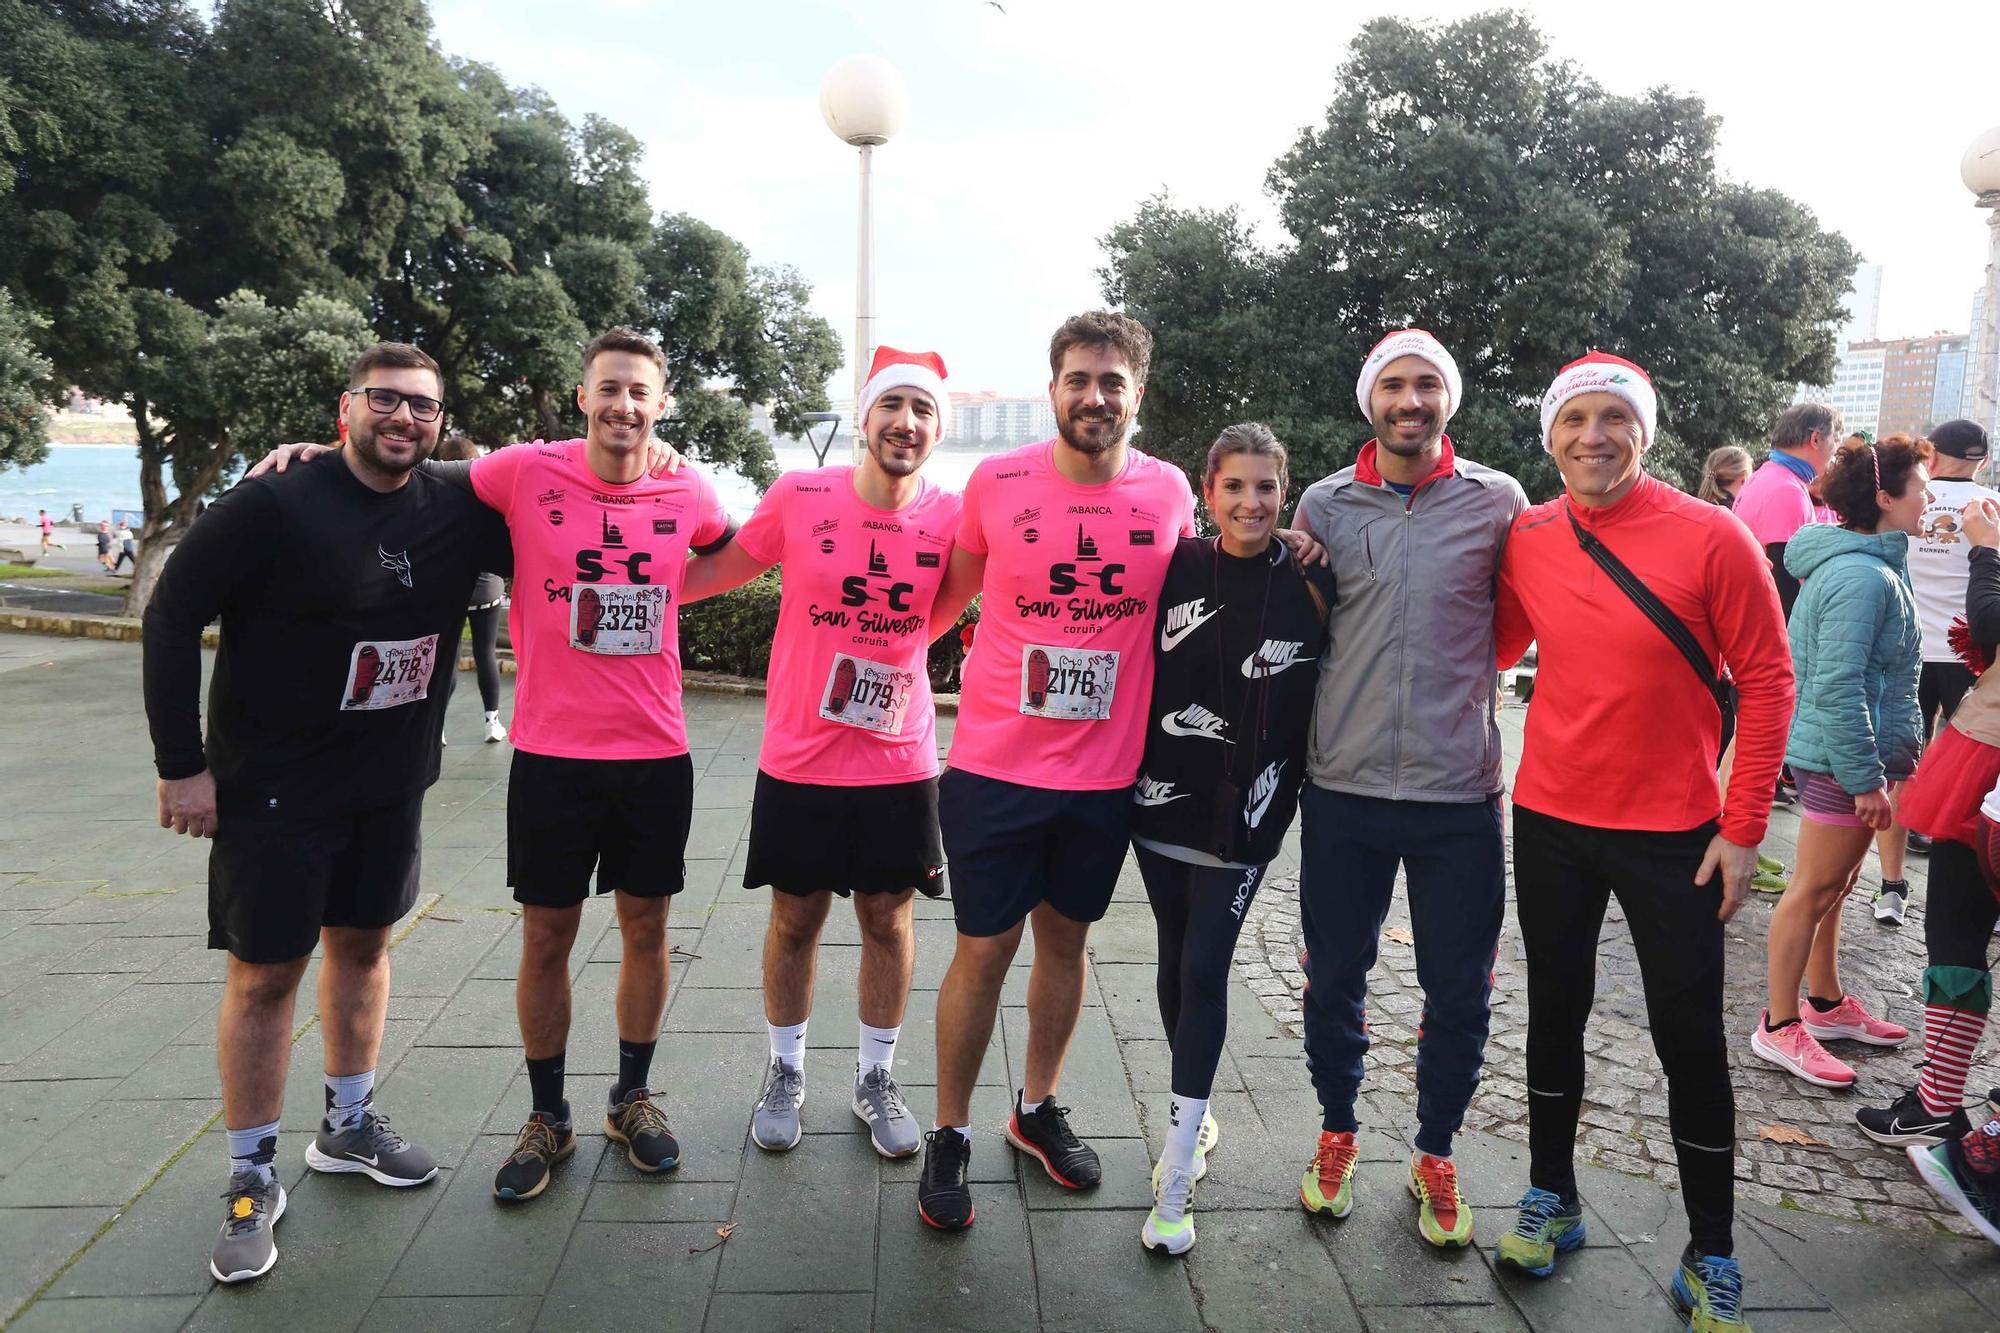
(1709, 1294)
(1045, 1134)
(1170, 1226)
(246, 1247)
(1965, 1173)
(1907, 1122)
(371, 1147)
(774, 1121)
(1328, 1184)
(1793, 1048)
(542, 1142)
(879, 1103)
(496, 731)
(944, 1200)
(1205, 1138)
(1765, 881)
(1442, 1217)
(1848, 1021)
(1889, 905)
(1771, 865)
(638, 1122)
(1543, 1229)
(1918, 845)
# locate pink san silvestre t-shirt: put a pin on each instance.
(1061, 670)
(854, 628)
(597, 580)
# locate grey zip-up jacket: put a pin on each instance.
(1407, 685)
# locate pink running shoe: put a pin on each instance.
(1793, 1048)
(1848, 1021)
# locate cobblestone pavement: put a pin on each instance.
(1625, 1107)
(113, 1155)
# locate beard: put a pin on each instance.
(362, 439)
(1385, 435)
(886, 456)
(1094, 435)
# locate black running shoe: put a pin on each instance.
(637, 1121)
(1919, 845)
(1907, 1123)
(1045, 1133)
(944, 1200)
(371, 1147)
(542, 1142)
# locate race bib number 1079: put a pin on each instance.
(1064, 683)
(388, 673)
(865, 694)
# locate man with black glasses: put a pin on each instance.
(342, 593)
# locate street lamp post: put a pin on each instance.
(1980, 170)
(864, 101)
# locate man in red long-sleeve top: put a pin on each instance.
(1617, 793)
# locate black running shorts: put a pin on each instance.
(1014, 847)
(274, 878)
(624, 820)
(881, 839)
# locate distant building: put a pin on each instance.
(992, 420)
(1911, 370)
(1856, 391)
(1862, 306)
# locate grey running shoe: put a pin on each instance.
(879, 1103)
(542, 1142)
(774, 1124)
(371, 1147)
(246, 1249)
(1889, 906)
(637, 1121)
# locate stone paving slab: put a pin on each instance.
(108, 1186)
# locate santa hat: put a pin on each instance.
(1601, 372)
(897, 369)
(1409, 342)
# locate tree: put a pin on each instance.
(1467, 183)
(24, 388)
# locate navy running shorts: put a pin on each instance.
(1012, 848)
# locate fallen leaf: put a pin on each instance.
(1399, 935)
(1787, 1134)
(722, 1234)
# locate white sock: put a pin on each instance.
(493, 716)
(878, 1047)
(963, 1131)
(1028, 1107)
(1183, 1128)
(254, 1149)
(345, 1095)
(788, 1044)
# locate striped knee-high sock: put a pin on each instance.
(1956, 1000)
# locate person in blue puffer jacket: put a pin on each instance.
(1856, 652)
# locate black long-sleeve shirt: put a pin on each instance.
(341, 612)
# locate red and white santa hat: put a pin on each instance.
(1601, 372)
(1409, 342)
(894, 368)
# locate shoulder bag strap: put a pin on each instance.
(1654, 610)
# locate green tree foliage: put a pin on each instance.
(1467, 183)
(180, 190)
(24, 387)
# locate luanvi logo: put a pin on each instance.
(397, 563)
(1194, 720)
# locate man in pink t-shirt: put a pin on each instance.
(1776, 502)
(846, 798)
(1069, 541)
(602, 784)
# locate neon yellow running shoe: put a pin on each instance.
(1709, 1295)
(1542, 1230)
(1328, 1185)
(1442, 1217)
(1170, 1226)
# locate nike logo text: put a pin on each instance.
(1194, 720)
(1276, 655)
(1149, 792)
(1182, 621)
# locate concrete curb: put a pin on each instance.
(128, 630)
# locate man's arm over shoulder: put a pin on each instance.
(1750, 632)
(1513, 629)
(224, 552)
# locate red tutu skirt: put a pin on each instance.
(1954, 776)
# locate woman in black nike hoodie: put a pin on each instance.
(1241, 629)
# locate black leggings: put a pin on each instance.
(1959, 907)
(485, 635)
(1198, 911)
(1564, 875)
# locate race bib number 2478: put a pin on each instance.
(387, 673)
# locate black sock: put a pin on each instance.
(1896, 886)
(1823, 1006)
(545, 1083)
(1769, 1026)
(635, 1059)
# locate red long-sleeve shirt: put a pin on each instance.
(1621, 732)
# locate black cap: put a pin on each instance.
(1961, 439)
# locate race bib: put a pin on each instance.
(389, 673)
(865, 694)
(1065, 683)
(617, 620)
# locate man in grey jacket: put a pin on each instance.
(1405, 766)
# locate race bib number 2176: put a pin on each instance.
(1064, 683)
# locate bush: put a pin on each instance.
(733, 634)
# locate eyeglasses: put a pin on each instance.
(383, 402)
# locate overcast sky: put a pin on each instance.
(1033, 131)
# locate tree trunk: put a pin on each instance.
(166, 521)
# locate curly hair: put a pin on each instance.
(1104, 328)
(1851, 481)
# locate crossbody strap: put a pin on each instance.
(1654, 610)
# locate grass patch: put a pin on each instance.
(12, 571)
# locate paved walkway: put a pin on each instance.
(110, 1176)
